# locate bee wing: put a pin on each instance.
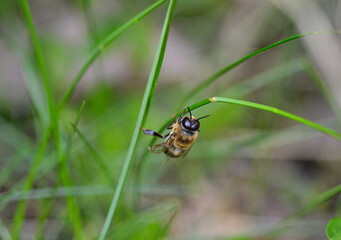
(186, 152)
(158, 148)
(166, 160)
(180, 159)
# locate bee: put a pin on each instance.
(185, 131)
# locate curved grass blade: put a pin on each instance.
(229, 67)
(134, 228)
(65, 176)
(31, 80)
(53, 115)
(20, 211)
(240, 90)
(147, 98)
(4, 233)
(100, 47)
(267, 108)
(321, 85)
(321, 128)
(314, 203)
(288, 221)
(89, 190)
(40, 62)
(263, 79)
(100, 162)
(307, 122)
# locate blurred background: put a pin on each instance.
(247, 170)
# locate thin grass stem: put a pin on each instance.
(147, 98)
(288, 221)
(101, 46)
(4, 233)
(21, 208)
(321, 128)
(205, 83)
(65, 176)
(40, 61)
(98, 159)
(53, 114)
(307, 122)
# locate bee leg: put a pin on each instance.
(151, 133)
(180, 118)
(170, 126)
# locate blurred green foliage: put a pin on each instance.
(247, 170)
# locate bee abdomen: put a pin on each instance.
(174, 151)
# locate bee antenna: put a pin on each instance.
(204, 117)
(190, 114)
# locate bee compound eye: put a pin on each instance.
(186, 123)
(195, 126)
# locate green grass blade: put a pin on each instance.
(41, 64)
(288, 221)
(13, 163)
(100, 47)
(321, 128)
(321, 85)
(240, 90)
(95, 155)
(4, 233)
(307, 122)
(65, 176)
(45, 210)
(31, 79)
(147, 98)
(89, 190)
(20, 211)
(322, 198)
(229, 67)
(263, 79)
(53, 114)
(133, 228)
(309, 207)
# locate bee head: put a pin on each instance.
(191, 124)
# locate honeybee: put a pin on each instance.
(179, 141)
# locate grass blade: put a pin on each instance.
(321, 85)
(263, 79)
(20, 211)
(147, 98)
(229, 67)
(53, 114)
(4, 233)
(100, 47)
(240, 90)
(65, 176)
(89, 190)
(95, 155)
(314, 203)
(307, 122)
(41, 65)
(288, 221)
